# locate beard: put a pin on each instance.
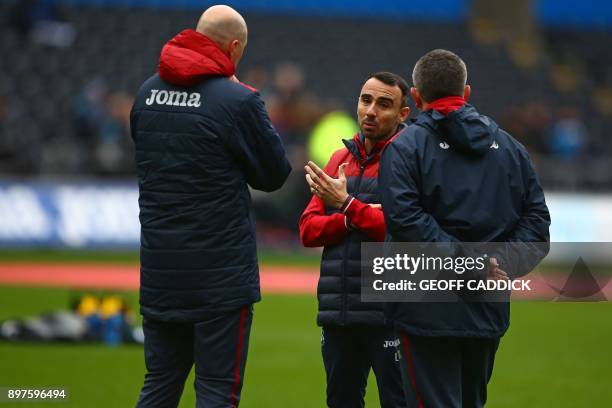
(378, 135)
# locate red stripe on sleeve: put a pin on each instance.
(367, 219)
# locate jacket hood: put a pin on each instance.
(464, 129)
(190, 57)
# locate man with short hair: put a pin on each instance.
(344, 212)
(455, 176)
(202, 138)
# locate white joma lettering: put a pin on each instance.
(162, 97)
(173, 98)
(178, 98)
(151, 98)
(194, 100)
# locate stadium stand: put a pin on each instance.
(64, 102)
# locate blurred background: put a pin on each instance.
(69, 228)
(69, 71)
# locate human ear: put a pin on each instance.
(233, 45)
(416, 97)
(467, 92)
(403, 114)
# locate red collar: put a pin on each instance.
(190, 56)
(447, 105)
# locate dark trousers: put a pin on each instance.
(217, 345)
(449, 372)
(348, 355)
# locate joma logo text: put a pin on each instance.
(173, 98)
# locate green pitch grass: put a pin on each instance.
(555, 355)
(130, 257)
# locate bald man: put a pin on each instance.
(202, 138)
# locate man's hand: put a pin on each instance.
(495, 273)
(376, 206)
(234, 79)
(332, 191)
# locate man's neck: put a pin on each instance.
(369, 144)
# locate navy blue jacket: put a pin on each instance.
(339, 288)
(460, 178)
(198, 148)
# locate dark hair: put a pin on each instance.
(391, 79)
(438, 74)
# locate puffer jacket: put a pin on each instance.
(341, 234)
(201, 140)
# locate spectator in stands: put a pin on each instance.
(101, 129)
(90, 113)
(292, 109)
(569, 136)
(113, 147)
(530, 125)
(536, 121)
(259, 78)
(294, 112)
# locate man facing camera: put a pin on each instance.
(455, 176)
(344, 212)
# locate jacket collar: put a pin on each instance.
(190, 57)
(447, 105)
(357, 145)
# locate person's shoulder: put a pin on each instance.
(145, 89)
(151, 81)
(339, 154)
(336, 159)
(232, 91)
(409, 138)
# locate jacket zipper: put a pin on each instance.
(362, 166)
